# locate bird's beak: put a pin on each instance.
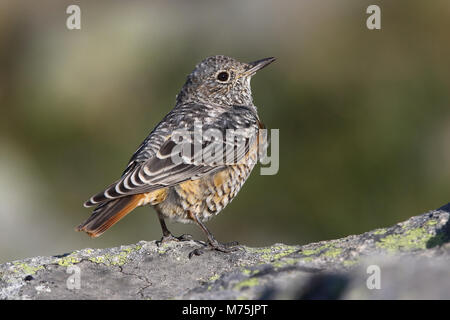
(258, 65)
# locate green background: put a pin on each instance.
(364, 116)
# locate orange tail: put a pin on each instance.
(108, 213)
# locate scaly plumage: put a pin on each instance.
(188, 168)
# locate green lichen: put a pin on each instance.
(333, 252)
(115, 259)
(350, 263)
(413, 239)
(118, 259)
(214, 277)
(431, 222)
(24, 268)
(326, 250)
(162, 250)
(248, 283)
(380, 231)
(111, 259)
(309, 252)
(259, 250)
(67, 261)
(98, 260)
(277, 252)
(247, 272)
(285, 262)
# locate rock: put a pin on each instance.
(408, 260)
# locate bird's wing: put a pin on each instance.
(187, 154)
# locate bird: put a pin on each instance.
(186, 186)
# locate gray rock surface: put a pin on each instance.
(407, 260)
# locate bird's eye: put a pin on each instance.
(223, 76)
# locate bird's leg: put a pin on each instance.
(167, 235)
(212, 242)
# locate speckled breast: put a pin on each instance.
(207, 196)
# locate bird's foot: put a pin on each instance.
(215, 245)
(170, 237)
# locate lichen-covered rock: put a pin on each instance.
(411, 259)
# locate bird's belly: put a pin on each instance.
(204, 197)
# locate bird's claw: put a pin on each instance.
(215, 245)
(170, 237)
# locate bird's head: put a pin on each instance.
(221, 80)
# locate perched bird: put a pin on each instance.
(186, 186)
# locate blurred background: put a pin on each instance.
(364, 116)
